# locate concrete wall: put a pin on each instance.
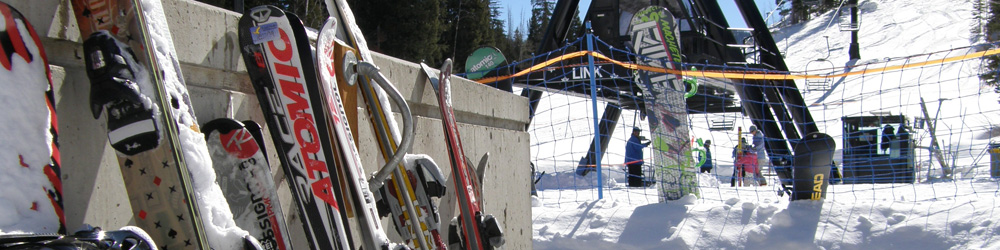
(489, 120)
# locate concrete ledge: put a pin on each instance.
(207, 45)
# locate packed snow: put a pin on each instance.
(933, 213)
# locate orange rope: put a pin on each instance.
(732, 74)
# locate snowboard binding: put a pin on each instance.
(91, 238)
(112, 70)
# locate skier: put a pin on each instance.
(738, 170)
(633, 158)
(707, 167)
(758, 151)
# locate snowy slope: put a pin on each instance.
(958, 214)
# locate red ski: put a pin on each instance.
(476, 230)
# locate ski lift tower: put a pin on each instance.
(852, 24)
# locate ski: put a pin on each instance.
(477, 230)
(31, 163)
(811, 166)
(407, 195)
(655, 38)
(245, 177)
(348, 160)
(258, 135)
(281, 68)
(136, 83)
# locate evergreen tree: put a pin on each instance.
(541, 13)
(405, 29)
(980, 14)
(798, 11)
(991, 77)
(469, 27)
(312, 12)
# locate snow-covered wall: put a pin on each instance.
(207, 45)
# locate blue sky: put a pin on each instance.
(520, 10)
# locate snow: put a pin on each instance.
(930, 214)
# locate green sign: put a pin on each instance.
(482, 61)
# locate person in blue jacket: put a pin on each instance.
(708, 165)
(633, 158)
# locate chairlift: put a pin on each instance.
(725, 122)
(844, 14)
(818, 84)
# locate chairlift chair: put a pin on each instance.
(725, 122)
(844, 14)
(818, 84)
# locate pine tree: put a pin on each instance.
(312, 12)
(541, 13)
(980, 14)
(405, 29)
(991, 77)
(468, 28)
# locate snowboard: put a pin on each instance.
(476, 229)
(245, 177)
(137, 86)
(406, 197)
(32, 189)
(278, 58)
(811, 166)
(655, 37)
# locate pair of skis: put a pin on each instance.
(306, 117)
(474, 229)
(408, 194)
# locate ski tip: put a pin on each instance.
(223, 125)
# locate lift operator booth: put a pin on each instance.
(877, 149)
